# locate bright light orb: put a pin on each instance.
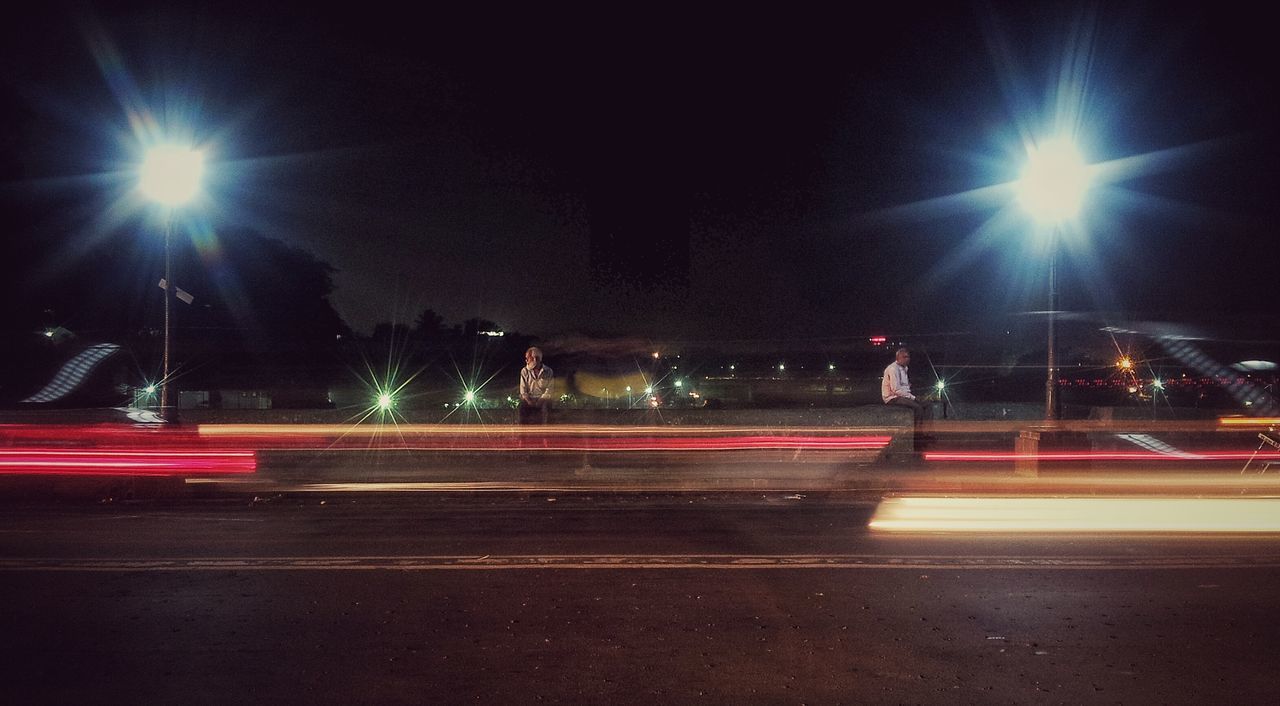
(151, 389)
(171, 174)
(385, 401)
(941, 385)
(470, 396)
(1054, 182)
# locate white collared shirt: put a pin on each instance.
(895, 383)
(537, 385)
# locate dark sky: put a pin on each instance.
(710, 175)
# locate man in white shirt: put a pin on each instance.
(895, 388)
(537, 387)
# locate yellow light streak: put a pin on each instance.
(1249, 421)
(1014, 515)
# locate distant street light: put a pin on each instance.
(386, 401)
(1052, 189)
(170, 176)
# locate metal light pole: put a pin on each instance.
(1051, 373)
(169, 290)
(170, 176)
(1052, 190)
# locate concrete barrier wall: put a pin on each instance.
(865, 416)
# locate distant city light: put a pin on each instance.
(679, 383)
(48, 333)
(782, 367)
(1054, 182)
(150, 389)
(1125, 363)
(469, 396)
(877, 340)
(656, 355)
(831, 366)
(1158, 384)
(648, 390)
(491, 333)
(628, 388)
(941, 385)
(733, 367)
(171, 174)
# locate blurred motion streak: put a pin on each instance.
(1023, 514)
(154, 462)
(961, 456)
(1249, 421)
(441, 437)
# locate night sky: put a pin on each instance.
(668, 173)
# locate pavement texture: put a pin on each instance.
(612, 597)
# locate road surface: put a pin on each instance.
(612, 597)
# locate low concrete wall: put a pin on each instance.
(865, 416)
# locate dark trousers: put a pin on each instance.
(532, 413)
(918, 411)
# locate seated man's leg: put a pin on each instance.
(917, 409)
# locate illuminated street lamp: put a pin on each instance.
(1052, 189)
(385, 401)
(170, 176)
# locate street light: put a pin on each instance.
(170, 176)
(1052, 190)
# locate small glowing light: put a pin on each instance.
(782, 367)
(492, 333)
(171, 174)
(151, 389)
(385, 401)
(469, 396)
(733, 367)
(1158, 384)
(831, 366)
(1125, 363)
(1054, 182)
(1132, 389)
(648, 390)
(877, 340)
(48, 333)
(679, 383)
(940, 385)
(654, 402)
(628, 388)
(656, 355)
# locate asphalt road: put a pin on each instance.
(619, 598)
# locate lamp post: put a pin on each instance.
(170, 176)
(1052, 189)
